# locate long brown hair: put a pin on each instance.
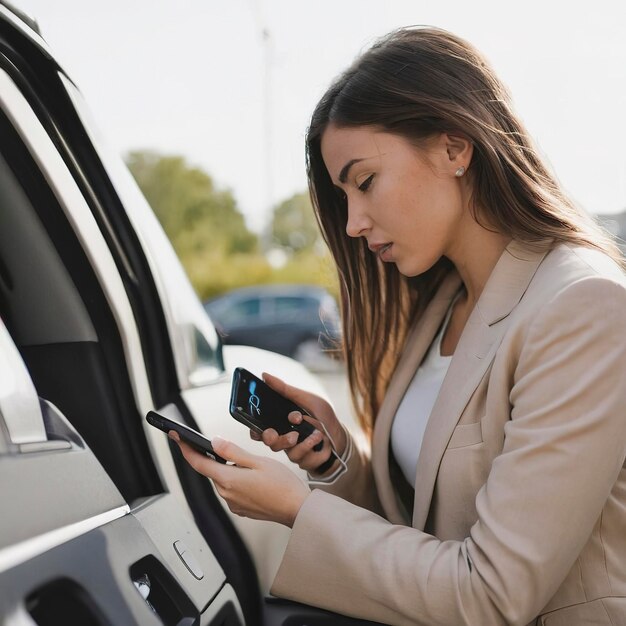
(417, 82)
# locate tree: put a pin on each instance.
(294, 225)
(196, 216)
(210, 236)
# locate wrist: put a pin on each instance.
(297, 505)
(342, 441)
(326, 467)
(337, 464)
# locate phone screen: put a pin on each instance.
(261, 407)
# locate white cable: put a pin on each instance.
(336, 474)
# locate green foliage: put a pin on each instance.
(294, 225)
(197, 217)
(209, 234)
(309, 267)
(214, 274)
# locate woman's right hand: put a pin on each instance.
(302, 453)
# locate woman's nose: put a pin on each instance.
(358, 221)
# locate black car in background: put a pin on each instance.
(301, 321)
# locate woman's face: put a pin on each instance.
(406, 201)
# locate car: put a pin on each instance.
(102, 520)
(300, 321)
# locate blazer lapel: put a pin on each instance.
(417, 343)
(475, 351)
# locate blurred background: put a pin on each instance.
(209, 103)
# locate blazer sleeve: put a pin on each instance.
(356, 483)
(564, 447)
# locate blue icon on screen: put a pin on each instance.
(254, 400)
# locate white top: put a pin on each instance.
(409, 424)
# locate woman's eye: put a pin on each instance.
(364, 186)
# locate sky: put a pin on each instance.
(231, 85)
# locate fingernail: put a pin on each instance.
(173, 435)
(292, 438)
(217, 440)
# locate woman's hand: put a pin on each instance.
(302, 453)
(255, 486)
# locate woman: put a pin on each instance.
(485, 323)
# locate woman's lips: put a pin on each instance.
(382, 250)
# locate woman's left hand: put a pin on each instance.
(255, 486)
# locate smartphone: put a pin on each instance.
(196, 440)
(255, 404)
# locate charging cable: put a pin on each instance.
(334, 455)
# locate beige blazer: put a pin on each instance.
(519, 514)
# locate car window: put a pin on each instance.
(59, 291)
(289, 308)
(193, 336)
(241, 312)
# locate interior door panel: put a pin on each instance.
(91, 580)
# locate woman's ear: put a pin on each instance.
(459, 149)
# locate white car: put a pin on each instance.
(102, 521)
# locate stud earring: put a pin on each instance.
(460, 172)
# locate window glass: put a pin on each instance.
(293, 307)
(193, 336)
(241, 312)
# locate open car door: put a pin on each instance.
(102, 522)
